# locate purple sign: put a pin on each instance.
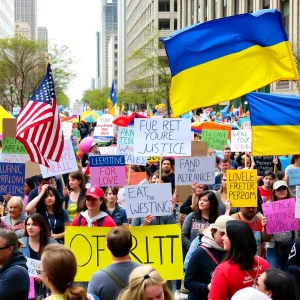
(281, 216)
(108, 176)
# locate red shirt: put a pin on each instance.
(108, 222)
(229, 278)
(265, 195)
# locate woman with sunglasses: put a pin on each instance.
(295, 164)
(280, 244)
(94, 210)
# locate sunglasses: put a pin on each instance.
(5, 247)
(281, 188)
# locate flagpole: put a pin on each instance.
(298, 85)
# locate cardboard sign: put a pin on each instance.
(107, 150)
(67, 129)
(151, 199)
(135, 177)
(12, 146)
(195, 169)
(125, 146)
(32, 169)
(32, 264)
(66, 164)
(297, 210)
(159, 246)
(281, 216)
(105, 127)
(241, 140)
(241, 186)
(216, 139)
(264, 163)
(12, 179)
(158, 137)
(108, 170)
(294, 176)
(77, 109)
(9, 128)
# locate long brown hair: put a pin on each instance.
(274, 197)
(213, 206)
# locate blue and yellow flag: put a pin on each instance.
(149, 111)
(112, 100)
(275, 122)
(226, 58)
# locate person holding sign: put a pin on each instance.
(94, 210)
(295, 164)
(265, 190)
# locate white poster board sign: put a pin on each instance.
(77, 109)
(107, 150)
(67, 129)
(105, 127)
(14, 158)
(195, 169)
(162, 137)
(32, 264)
(66, 164)
(297, 209)
(125, 146)
(148, 199)
(241, 140)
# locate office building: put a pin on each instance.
(23, 30)
(26, 11)
(112, 58)
(7, 18)
(97, 80)
(93, 83)
(121, 44)
(43, 34)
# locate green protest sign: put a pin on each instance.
(216, 139)
(12, 146)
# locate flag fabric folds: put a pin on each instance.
(149, 111)
(226, 58)
(39, 125)
(112, 100)
(275, 122)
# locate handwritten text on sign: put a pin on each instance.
(67, 129)
(241, 140)
(297, 210)
(194, 169)
(157, 137)
(32, 264)
(158, 246)
(241, 186)
(125, 146)
(281, 216)
(107, 150)
(66, 164)
(216, 139)
(105, 127)
(148, 199)
(12, 146)
(108, 170)
(263, 164)
(294, 176)
(12, 179)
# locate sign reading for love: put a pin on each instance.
(108, 170)
(241, 140)
(281, 216)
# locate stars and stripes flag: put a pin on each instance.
(38, 124)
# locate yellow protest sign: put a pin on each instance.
(153, 159)
(159, 246)
(241, 186)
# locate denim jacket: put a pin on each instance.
(25, 248)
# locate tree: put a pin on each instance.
(23, 66)
(97, 98)
(63, 99)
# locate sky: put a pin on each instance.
(74, 23)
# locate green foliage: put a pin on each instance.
(63, 99)
(97, 98)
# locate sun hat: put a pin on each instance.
(278, 184)
(249, 293)
(220, 225)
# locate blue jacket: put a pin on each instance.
(119, 216)
(20, 220)
(25, 248)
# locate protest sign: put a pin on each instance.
(216, 139)
(125, 146)
(216, 126)
(294, 176)
(67, 129)
(281, 216)
(135, 177)
(158, 137)
(121, 197)
(241, 140)
(105, 127)
(148, 199)
(12, 146)
(15, 158)
(108, 170)
(66, 164)
(244, 123)
(31, 288)
(241, 186)
(12, 179)
(32, 264)
(158, 246)
(153, 159)
(108, 150)
(297, 210)
(77, 109)
(263, 164)
(195, 169)
(32, 169)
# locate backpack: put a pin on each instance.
(114, 277)
(100, 221)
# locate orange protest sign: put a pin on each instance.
(136, 177)
(216, 126)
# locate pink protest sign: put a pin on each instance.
(31, 289)
(281, 216)
(108, 176)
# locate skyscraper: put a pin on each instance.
(26, 11)
(7, 18)
(43, 34)
(97, 81)
(121, 44)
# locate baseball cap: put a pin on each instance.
(95, 192)
(93, 144)
(278, 184)
(250, 293)
(220, 225)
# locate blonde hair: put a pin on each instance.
(17, 200)
(139, 279)
(59, 264)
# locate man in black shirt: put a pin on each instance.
(167, 167)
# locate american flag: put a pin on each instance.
(38, 124)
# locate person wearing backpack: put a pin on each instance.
(94, 210)
(108, 282)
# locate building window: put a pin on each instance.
(282, 85)
(175, 24)
(236, 7)
(161, 45)
(116, 63)
(266, 4)
(175, 6)
(116, 46)
(116, 55)
(164, 24)
(116, 73)
(285, 10)
(224, 8)
(250, 6)
(164, 5)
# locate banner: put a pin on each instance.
(105, 127)
(12, 146)
(241, 140)
(216, 139)
(281, 216)
(241, 186)
(107, 170)
(158, 137)
(151, 199)
(159, 246)
(12, 179)
(125, 146)
(195, 169)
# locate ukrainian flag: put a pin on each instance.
(226, 58)
(149, 111)
(275, 122)
(112, 100)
